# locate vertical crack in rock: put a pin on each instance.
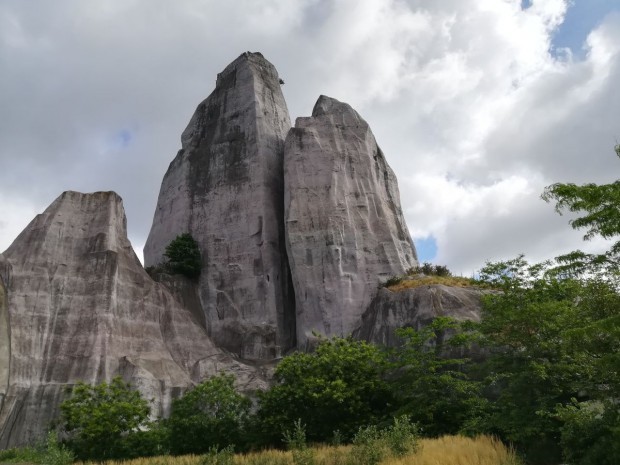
(225, 187)
(5, 342)
(345, 231)
(82, 308)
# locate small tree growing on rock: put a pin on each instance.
(183, 256)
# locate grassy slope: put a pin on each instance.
(410, 282)
(448, 450)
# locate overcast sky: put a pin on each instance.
(477, 104)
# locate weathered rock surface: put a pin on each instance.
(225, 187)
(345, 231)
(416, 308)
(81, 307)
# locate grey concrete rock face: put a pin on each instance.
(225, 187)
(416, 308)
(80, 307)
(345, 231)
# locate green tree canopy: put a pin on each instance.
(431, 384)
(340, 386)
(183, 256)
(552, 340)
(99, 418)
(600, 204)
(211, 414)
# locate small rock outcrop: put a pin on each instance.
(345, 231)
(416, 308)
(82, 308)
(225, 187)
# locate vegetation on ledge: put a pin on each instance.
(428, 274)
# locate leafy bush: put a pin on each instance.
(211, 414)
(99, 420)
(372, 445)
(56, 453)
(429, 269)
(339, 386)
(49, 452)
(296, 442)
(215, 456)
(430, 384)
(392, 281)
(591, 433)
(183, 256)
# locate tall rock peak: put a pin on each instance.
(345, 230)
(225, 187)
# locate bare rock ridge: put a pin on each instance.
(416, 308)
(345, 231)
(225, 187)
(81, 307)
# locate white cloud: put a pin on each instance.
(474, 113)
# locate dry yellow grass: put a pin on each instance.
(448, 450)
(410, 282)
(459, 450)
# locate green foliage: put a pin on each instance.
(340, 386)
(591, 432)
(211, 414)
(21, 455)
(391, 281)
(49, 452)
(601, 205)
(100, 419)
(430, 383)
(216, 456)
(183, 256)
(372, 445)
(151, 440)
(426, 268)
(56, 453)
(295, 441)
(550, 339)
(429, 269)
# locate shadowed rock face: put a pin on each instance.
(225, 187)
(5, 341)
(345, 231)
(416, 308)
(81, 307)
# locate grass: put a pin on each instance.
(411, 282)
(448, 450)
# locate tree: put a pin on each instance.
(99, 418)
(431, 384)
(544, 351)
(183, 256)
(211, 414)
(601, 205)
(339, 387)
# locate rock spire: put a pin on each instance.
(345, 231)
(225, 187)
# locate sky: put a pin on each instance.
(477, 104)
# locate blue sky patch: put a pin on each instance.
(123, 138)
(427, 248)
(581, 18)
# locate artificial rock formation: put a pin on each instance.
(225, 187)
(82, 308)
(416, 308)
(345, 231)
